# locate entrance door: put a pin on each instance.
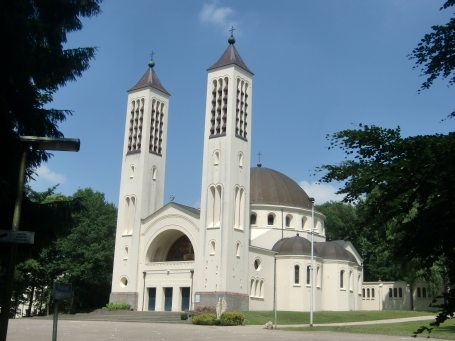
(152, 299)
(185, 298)
(167, 299)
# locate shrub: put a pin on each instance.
(183, 316)
(117, 306)
(206, 319)
(232, 318)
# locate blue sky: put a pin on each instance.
(319, 67)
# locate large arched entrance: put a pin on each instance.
(169, 268)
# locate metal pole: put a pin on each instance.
(143, 292)
(274, 287)
(312, 262)
(54, 326)
(191, 290)
(6, 300)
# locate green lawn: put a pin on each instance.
(445, 331)
(291, 317)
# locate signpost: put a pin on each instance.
(60, 292)
(17, 237)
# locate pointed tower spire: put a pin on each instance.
(230, 56)
(150, 79)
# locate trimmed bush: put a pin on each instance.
(205, 319)
(183, 316)
(117, 306)
(232, 318)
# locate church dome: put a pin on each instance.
(270, 187)
(294, 246)
(332, 250)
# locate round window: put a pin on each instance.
(123, 282)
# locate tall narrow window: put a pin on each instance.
(372, 292)
(242, 208)
(368, 293)
(216, 158)
(218, 118)
(131, 212)
(252, 288)
(132, 171)
(217, 215)
(236, 207)
(424, 292)
(126, 211)
(212, 247)
(308, 275)
(351, 280)
(390, 293)
(418, 293)
(400, 292)
(211, 206)
(304, 220)
(154, 173)
(270, 219)
(363, 292)
(395, 292)
(318, 276)
(342, 279)
(237, 249)
(296, 274)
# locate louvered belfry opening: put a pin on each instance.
(135, 130)
(156, 127)
(218, 118)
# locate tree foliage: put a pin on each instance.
(82, 255)
(35, 64)
(435, 54)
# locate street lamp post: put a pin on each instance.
(312, 262)
(40, 143)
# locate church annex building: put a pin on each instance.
(253, 223)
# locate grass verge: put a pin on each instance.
(292, 317)
(445, 331)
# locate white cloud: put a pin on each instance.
(219, 16)
(321, 192)
(46, 175)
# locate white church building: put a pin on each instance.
(251, 236)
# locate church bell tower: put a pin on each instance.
(142, 178)
(222, 266)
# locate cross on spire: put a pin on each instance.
(259, 163)
(232, 30)
(151, 55)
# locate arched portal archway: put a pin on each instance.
(170, 246)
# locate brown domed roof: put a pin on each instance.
(294, 246)
(268, 186)
(332, 250)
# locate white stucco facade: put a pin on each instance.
(248, 242)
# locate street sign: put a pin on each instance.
(17, 237)
(62, 291)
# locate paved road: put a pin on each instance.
(41, 330)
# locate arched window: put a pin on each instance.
(237, 250)
(253, 217)
(216, 158)
(418, 293)
(390, 293)
(296, 274)
(154, 173)
(424, 292)
(288, 221)
(308, 275)
(368, 293)
(252, 288)
(372, 292)
(270, 219)
(132, 171)
(125, 253)
(212, 247)
(363, 292)
(342, 279)
(304, 220)
(395, 292)
(211, 206)
(400, 292)
(261, 289)
(240, 160)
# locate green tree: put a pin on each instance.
(435, 54)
